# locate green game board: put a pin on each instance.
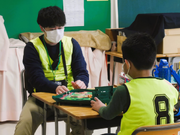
(84, 96)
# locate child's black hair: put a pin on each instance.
(140, 49)
(51, 16)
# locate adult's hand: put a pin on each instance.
(97, 104)
(78, 84)
(61, 89)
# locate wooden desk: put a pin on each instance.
(116, 54)
(78, 112)
(81, 113)
(86, 112)
(47, 99)
(160, 55)
(119, 55)
(88, 118)
(173, 55)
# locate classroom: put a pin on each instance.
(94, 32)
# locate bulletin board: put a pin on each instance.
(21, 15)
(129, 9)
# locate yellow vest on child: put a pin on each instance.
(151, 102)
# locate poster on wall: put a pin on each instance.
(74, 11)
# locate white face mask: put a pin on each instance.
(127, 74)
(55, 36)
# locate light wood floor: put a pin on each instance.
(7, 128)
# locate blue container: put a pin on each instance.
(163, 71)
(178, 73)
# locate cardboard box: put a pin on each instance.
(120, 40)
(171, 42)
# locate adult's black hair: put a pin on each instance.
(140, 49)
(51, 16)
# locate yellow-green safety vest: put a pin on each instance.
(59, 74)
(151, 103)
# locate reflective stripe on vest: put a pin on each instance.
(161, 97)
(59, 74)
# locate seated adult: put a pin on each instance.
(53, 63)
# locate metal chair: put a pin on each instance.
(166, 129)
(61, 117)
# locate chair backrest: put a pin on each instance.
(166, 129)
(24, 92)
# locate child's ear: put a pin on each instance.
(154, 63)
(127, 64)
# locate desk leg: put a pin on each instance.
(84, 126)
(109, 130)
(171, 62)
(44, 121)
(114, 65)
(68, 125)
(56, 120)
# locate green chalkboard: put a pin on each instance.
(129, 9)
(21, 15)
